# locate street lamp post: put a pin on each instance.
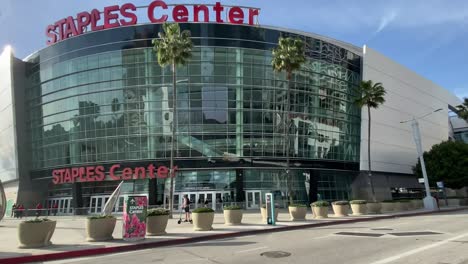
(429, 202)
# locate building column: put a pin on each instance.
(240, 194)
(313, 185)
(77, 198)
(152, 191)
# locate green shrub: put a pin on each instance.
(232, 207)
(96, 217)
(298, 205)
(203, 210)
(320, 204)
(264, 206)
(358, 202)
(37, 220)
(340, 203)
(157, 212)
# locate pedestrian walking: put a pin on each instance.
(55, 208)
(186, 207)
(38, 209)
(20, 211)
(13, 208)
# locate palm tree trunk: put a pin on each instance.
(286, 129)
(369, 172)
(174, 127)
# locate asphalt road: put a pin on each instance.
(434, 239)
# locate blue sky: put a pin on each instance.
(427, 36)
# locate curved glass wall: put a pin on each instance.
(116, 106)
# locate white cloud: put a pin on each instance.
(386, 20)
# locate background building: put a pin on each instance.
(101, 99)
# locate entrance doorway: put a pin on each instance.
(97, 203)
(64, 205)
(253, 199)
(210, 199)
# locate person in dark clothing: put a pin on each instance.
(186, 207)
(13, 210)
(55, 208)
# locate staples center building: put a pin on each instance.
(94, 107)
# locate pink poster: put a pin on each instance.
(134, 218)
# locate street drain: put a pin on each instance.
(275, 254)
(359, 234)
(414, 233)
(382, 229)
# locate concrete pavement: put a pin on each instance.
(69, 235)
(430, 239)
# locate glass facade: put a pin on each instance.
(111, 102)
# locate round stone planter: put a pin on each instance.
(202, 221)
(232, 217)
(298, 213)
(36, 235)
(388, 207)
(156, 225)
(416, 204)
(263, 211)
(359, 209)
(320, 212)
(100, 229)
(442, 203)
(340, 210)
(410, 205)
(401, 206)
(374, 208)
(453, 202)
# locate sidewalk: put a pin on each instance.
(69, 237)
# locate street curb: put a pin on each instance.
(175, 242)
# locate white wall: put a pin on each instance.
(8, 154)
(408, 94)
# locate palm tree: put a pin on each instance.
(372, 96)
(462, 110)
(288, 56)
(173, 48)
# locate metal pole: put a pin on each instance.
(429, 201)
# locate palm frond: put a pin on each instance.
(289, 55)
(173, 46)
(372, 95)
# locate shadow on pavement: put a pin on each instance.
(219, 244)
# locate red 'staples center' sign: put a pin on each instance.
(98, 173)
(157, 12)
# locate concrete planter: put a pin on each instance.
(442, 203)
(232, 217)
(202, 221)
(297, 213)
(374, 208)
(359, 209)
(388, 207)
(417, 204)
(410, 205)
(401, 206)
(156, 225)
(100, 229)
(36, 235)
(320, 212)
(340, 210)
(454, 202)
(263, 211)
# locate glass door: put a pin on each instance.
(253, 199)
(64, 206)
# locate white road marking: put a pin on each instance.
(252, 249)
(417, 250)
